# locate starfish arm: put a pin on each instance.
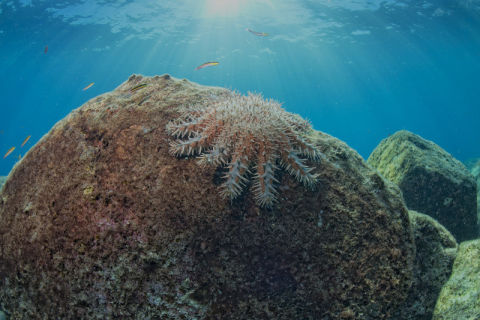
(264, 184)
(186, 147)
(234, 179)
(295, 166)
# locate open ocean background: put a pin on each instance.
(359, 70)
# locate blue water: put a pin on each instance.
(359, 70)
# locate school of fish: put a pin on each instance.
(215, 63)
(134, 89)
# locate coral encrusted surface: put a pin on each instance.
(100, 221)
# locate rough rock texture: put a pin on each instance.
(436, 251)
(2, 181)
(474, 168)
(432, 181)
(99, 221)
(460, 297)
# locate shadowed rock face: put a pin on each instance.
(436, 251)
(431, 180)
(475, 170)
(98, 220)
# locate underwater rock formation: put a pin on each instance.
(2, 181)
(436, 250)
(459, 298)
(99, 220)
(432, 181)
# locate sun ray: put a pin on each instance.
(224, 8)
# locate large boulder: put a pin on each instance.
(436, 250)
(432, 181)
(99, 221)
(460, 297)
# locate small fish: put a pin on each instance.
(260, 34)
(140, 86)
(45, 50)
(8, 152)
(91, 84)
(207, 64)
(25, 141)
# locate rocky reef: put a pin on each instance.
(431, 180)
(100, 221)
(2, 181)
(459, 298)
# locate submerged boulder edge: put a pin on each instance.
(474, 167)
(432, 181)
(99, 220)
(459, 297)
(2, 181)
(436, 250)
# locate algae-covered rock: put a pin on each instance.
(2, 181)
(436, 249)
(460, 297)
(475, 170)
(474, 167)
(432, 181)
(476, 173)
(100, 221)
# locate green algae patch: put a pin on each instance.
(88, 191)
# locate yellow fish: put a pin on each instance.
(8, 152)
(91, 84)
(260, 34)
(207, 64)
(25, 141)
(140, 86)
